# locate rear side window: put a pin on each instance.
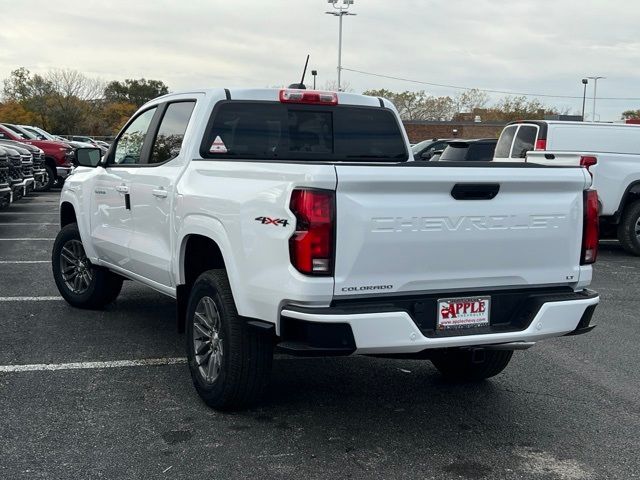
(504, 142)
(525, 141)
(275, 131)
(174, 123)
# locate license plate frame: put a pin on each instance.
(463, 313)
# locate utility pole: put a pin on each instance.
(595, 92)
(584, 95)
(340, 10)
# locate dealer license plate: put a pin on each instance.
(465, 312)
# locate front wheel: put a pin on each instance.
(230, 364)
(45, 182)
(81, 283)
(471, 366)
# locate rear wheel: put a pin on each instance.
(80, 283)
(629, 229)
(469, 365)
(230, 364)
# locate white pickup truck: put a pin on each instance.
(296, 220)
(609, 151)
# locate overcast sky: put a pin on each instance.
(536, 46)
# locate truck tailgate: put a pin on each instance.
(400, 229)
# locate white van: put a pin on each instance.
(611, 153)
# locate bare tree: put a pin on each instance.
(75, 97)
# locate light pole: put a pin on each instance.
(584, 95)
(340, 10)
(595, 91)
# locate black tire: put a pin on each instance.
(102, 289)
(629, 228)
(49, 180)
(245, 364)
(468, 366)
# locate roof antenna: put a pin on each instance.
(304, 72)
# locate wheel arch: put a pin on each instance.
(51, 162)
(202, 244)
(67, 214)
(631, 194)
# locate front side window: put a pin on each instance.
(174, 123)
(525, 141)
(275, 131)
(503, 148)
(129, 146)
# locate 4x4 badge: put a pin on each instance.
(273, 221)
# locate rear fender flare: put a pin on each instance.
(213, 229)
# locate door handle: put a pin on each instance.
(159, 192)
(122, 189)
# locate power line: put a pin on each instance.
(457, 87)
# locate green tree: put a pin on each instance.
(630, 114)
(136, 92)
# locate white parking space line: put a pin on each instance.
(40, 367)
(26, 224)
(30, 299)
(55, 212)
(17, 262)
(22, 239)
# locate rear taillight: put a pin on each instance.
(309, 96)
(590, 228)
(588, 162)
(541, 144)
(311, 247)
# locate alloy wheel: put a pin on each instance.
(75, 267)
(207, 339)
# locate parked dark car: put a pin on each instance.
(480, 150)
(17, 182)
(427, 148)
(40, 174)
(5, 188)
(26, 167)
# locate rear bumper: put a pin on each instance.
(396, 332)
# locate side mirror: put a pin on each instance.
(523, 153)
(88, 157)
(427, 155)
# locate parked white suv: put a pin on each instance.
(611, 153)
(295, 219)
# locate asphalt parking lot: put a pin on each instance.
(567, 409)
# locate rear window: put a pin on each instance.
(525, 141)
(275, 131)
(504, 142)
(455, 152)
(481, 152)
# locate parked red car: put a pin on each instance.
(58, 155)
